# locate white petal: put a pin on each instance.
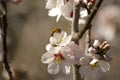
(66, 10)
(66, 41)
(75, 50)
(58, 17)
(96, 43)
(53, 41)
(49, 47)
(47, 58)
(66, 67)
(54, 12)
(53, 68)
(104, 65)
(60, 36)
(85, 70)
(72, 52)
(63, 34)
(50, 4)
(85, 60)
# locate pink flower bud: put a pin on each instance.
(92, 50)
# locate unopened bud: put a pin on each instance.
(96, 43)
(92, 50)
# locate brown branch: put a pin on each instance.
(88, 39)
(75, 29)
(4, 26)
(75, 25)
(76, 16)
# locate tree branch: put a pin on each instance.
(89, 19)
(77, 34)
(88, 39)
(4, 26)
(75, 29)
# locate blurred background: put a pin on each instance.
(29, 30)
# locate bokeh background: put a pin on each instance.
(29, 30)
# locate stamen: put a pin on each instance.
(55, 29)
(58, 58)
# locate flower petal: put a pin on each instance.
(47, 58)
(66, 41)
(54, 12)
(66, 67)
(53, 41)
(49, 47)
(50, 4)
(85, 60)
(53, 68)
(60, 36)
(104, 65)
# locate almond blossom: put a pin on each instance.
(58, 39)
(64, 8)
(61, 58)
(96, 60)
(91, 67)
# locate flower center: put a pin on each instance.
(55, 30)
(94, 63)
(58, 58)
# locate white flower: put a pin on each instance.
(60, 39)
(67, 12)
(65, 8)
(61, 58)
(55, 8)
(56, 61)
(72, 53)
(92, 64)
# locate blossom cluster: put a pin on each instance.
(62, 53)
(65, 8)
(96, 59)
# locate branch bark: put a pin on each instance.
(88, 39)
(75, 29)
(4, 26)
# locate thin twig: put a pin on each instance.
(76, 16)
(4, 26)
(89, 19)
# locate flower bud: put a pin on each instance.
(96, 43)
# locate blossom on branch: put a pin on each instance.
(61, 53)
(61, 58)
(64, 8)
(96, 60)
